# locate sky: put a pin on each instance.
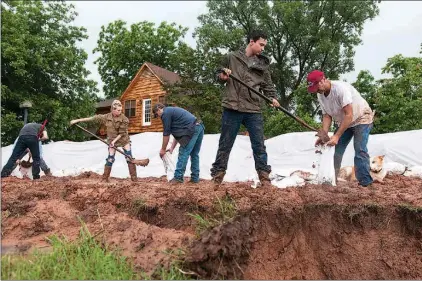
(396, 30)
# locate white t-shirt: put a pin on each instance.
(342, 94)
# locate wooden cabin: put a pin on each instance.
(145, 89)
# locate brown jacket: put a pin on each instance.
(115, 126)
(254, 71)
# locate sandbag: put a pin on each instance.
(169, 166)
(325, 165)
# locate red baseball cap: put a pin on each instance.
(313, 78)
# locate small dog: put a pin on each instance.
(377, 171)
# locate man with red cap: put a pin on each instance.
(341, 102)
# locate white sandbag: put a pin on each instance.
(169, 166)
(290, 181)
(394, 168)
(415, 172)
(325, 165)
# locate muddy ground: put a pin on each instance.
(310, 232)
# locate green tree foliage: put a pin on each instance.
(398, 100)
(202, 99)
(123, 51)
(41, 62)
(367, 86)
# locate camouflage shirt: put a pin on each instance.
(115, 126)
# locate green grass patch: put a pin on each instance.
(225, 209)
(84, 259)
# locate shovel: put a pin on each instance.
(320, 133)
(142, 162)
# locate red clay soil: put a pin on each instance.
(310, 232)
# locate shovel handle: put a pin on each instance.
(100, 139)
(303, 123)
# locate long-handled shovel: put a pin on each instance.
(320, 133)
(141, 162)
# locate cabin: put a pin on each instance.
(145, 89)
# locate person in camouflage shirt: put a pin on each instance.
(117, 135)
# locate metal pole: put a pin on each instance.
(25, 118)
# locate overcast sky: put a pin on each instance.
(396, 30)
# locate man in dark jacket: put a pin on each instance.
(188, 132)
(29, 136)
(240, 106)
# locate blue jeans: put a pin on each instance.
(191, 149)
(231, 122)
(360, 134)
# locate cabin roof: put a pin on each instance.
(105, 103)
(164, 74)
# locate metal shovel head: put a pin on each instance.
(140, 162)
(26, 164)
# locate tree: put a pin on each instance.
(366, 85)
(42, 63)
(398, 100)
(123, 51)
(202, 99)
(303, 35)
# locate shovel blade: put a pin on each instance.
(140, 162)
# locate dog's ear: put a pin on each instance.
(382, 157)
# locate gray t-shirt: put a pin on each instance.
(30, 129)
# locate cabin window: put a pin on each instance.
(130, 106)
(146, 104)
(162, 99)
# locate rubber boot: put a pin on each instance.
(106, 175)
(132, 171)
(264, 178)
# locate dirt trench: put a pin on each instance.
(311, 232)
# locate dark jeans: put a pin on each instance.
(23, 143)
(360, 134)
(191, 149)
(231, 122)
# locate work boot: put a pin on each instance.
(106, 175)
(264, 178)
(132, 171)
(48, 173)
(218, 177)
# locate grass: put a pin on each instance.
(226, 209)
(410, 208)
(84, 259)
(175, 271)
